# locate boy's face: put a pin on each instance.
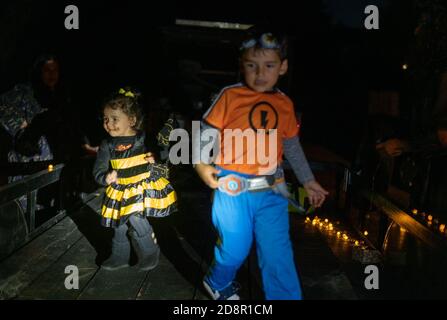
(262, 68)
(117, 123)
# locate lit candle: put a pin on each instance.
(326, 220)
(365, 233)
(442, 227)
(414, 211)
(430, 217)
(50, 167)
(356, 243)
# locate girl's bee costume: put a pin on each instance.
(140, 188)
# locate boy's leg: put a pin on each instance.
(274, 249)
(143, 239)
(232, 219)
(120, 250)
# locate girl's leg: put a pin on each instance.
(274, 249)
(144, 242)
(140, 225)
(120, 250)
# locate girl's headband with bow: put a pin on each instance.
(127, 93)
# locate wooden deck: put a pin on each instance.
(37, 270)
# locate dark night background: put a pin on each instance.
(335, 60)
(346, 82)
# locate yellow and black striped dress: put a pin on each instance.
(139, 189)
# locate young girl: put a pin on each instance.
(134, 191)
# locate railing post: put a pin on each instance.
(343, 191)
(31, 209)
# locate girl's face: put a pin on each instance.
(262, 68)
(117, 123)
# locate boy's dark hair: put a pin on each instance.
(127, 100)
(265, 37)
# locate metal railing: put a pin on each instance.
(393, 204)
(29, 186)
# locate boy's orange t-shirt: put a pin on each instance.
(239, 107)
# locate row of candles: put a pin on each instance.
(325, 224)
(430, 220)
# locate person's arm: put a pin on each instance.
(101, 167)
(202, 158)
(295, 155)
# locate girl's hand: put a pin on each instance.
(316, 193)
(208, 174)
(149, 157)
(111, 177)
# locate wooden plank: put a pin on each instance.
(20, 269)
(166, 283)
(51, 283)
(83, 254)
(123, 284)
(320, 270)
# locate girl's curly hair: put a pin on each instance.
(128, 101)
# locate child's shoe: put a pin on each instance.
(228, 293)
(148, 252)
(119, 258)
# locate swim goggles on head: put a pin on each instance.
(265, 41)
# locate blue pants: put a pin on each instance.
(263, 215)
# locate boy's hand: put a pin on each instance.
(316, 193)
(208, 174)
(149, 157)
(111, 177)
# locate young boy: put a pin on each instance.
(247, 203)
